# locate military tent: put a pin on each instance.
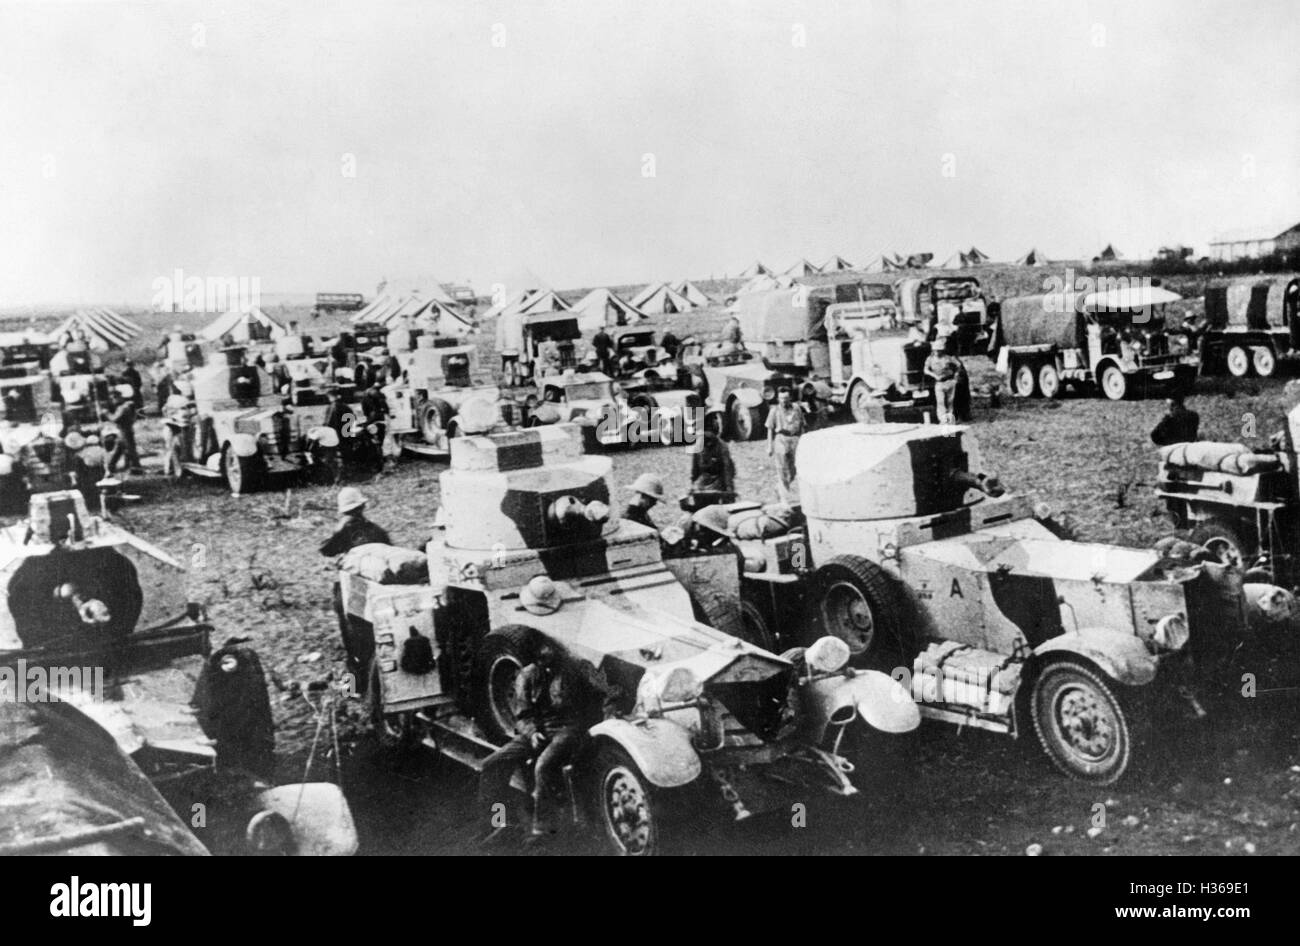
(1032, 258)
(916, 261)
(543, 300)
(661, 298)
(803, 268)
(756, 269)
(691, 293)
(510, 303)
(239, 325)
(601, 308)
(836, 264)
(103, 329)
(766, 281)
(1108, 255)
(974, 257)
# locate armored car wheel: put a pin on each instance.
(757, 628)
(860, 403)
(851, 598)
(435, 416)
(1237, 361)
(1080, 723)
(243, 474)
(627, 805)
(1221, 540)
(746, 422)
(502, 655)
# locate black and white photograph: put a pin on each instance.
(570, 429)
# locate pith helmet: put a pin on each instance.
(714, 518)
(350, 498)
(540, 596)
(649, 485)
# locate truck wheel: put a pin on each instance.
(395, 732)
(860, 403)
(851, 598)
(1223, 541)
(1023, 381)
(746, 422)
(1080, 723)
(1238, 361)
(757, 628)
(243, 474)
(434, 418)
(501, 657)
(1049, 381)
(1263, 361)
(626, 803)
(1114, 384)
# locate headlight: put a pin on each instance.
(827, 655)
(768, 392)
(1171, 632)
(677, 685)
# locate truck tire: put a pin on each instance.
(435, 417)
(851, 598)
(628, 809)
(1263, 361)
(1224, 541)
(757, 627)
(746, 422)
(1113, 383)
(1023, 381)
(1049, 381)
(243, 474)
(500, 658)
(1080, 723)
(1237, 361)
(860, 403)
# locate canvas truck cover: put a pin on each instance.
(66, 787)
(792, 314)
(1026, 321)
(1253, 303)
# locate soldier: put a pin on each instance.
(944, 368)
(559, 698)
(604, 347)
(671, 346)
(44, 461)
(712, 470)
(353, 528)
(1179, 425)
(122, 416)
(785, 424)
(375, 407)
(131, 376)
(648, 490)
(733, 339)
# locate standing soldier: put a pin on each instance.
(375, 407)
(353, 529)
(945, 369)
(122, 416)
(733, 339)
(604, 346)
(712, 470)
(785, 425)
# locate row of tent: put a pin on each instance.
(891, 262)
(604, 307)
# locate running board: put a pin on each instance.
(965, 717)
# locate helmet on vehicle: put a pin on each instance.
(647, 484)
(540, 596)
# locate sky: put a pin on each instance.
(324, 146)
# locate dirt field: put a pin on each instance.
(1229, 786)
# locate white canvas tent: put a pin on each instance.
(755, 269)
(601, 308)
(543, 300)
(244, 326)
(103, 328)
(1032, 258)
(661, 298)
(836, 264)
(878, 264)
(803, 268)
(691, 293)
(765, 282)
(442, 317)
(511, 303)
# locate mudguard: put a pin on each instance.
(661, 749)
(318, 815)
(880, 700)
(748, 397)
(243, 445)
(1122, 657)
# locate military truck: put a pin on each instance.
(1249, 325)
(923, 564)
(1115, 341)
(694, 707)
(947, 306)
(241, 430)
(439, 376)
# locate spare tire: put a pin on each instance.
(500, 658)
(434, 419)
